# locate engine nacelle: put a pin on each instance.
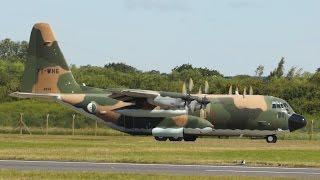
(167, 102)
(167, 132)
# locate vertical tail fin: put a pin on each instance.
(46, 70)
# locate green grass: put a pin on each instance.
(14, 174)
(63, 131)
(291, 153)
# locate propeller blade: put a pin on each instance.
(237, 91)
(202, 113)
(206, 87)
(192, 105)
(187, 109)
(190, 84)
(200, 90)
(251, 91)
(184, 89)
(245, 91)
(204, 108)
(230, 90)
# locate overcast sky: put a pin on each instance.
(232, 36)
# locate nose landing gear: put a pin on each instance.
(271, 139)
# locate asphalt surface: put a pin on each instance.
(160, 168)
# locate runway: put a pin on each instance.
(160, 168)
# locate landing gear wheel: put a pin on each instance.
(160, 138)
(271, 139)
(189, 138)
(175, 139)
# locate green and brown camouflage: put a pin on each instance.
(161, 114)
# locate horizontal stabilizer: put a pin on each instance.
(34, 95)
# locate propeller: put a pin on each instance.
(203, 113)
(200, 90)
(186, 93)
(190, 85)
(230, 90)
(193, 103)
(245, 91)
(251, 91)
(206, 87)
(184, 89)
(237, 91)
(203, 108)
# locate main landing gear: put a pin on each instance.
(189, 138)
(160, 138)
(271, 139)
(185, 138)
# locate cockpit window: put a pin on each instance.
(282, 106)
(279, 105)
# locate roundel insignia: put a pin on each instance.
(92, 107)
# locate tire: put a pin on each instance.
(160, 138)
(271, 139)
(175, 139)
(190, 138)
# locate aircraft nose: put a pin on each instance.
(296, 121)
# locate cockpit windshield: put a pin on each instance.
(282, 105)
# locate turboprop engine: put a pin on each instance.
(167, 102)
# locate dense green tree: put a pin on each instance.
(121, 67)
(279, 71)
(182, 67)
(203, 71)
(291, 73)
(11, 50)
(259, 70)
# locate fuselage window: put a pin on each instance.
(278, 106)
(274, 106)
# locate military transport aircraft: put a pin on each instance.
(165, 115)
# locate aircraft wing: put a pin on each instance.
(135, 93)
(139, 93)
(166, 100)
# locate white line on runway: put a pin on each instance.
(271, 172)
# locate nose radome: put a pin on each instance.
(296, 121)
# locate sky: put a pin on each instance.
(231, 36)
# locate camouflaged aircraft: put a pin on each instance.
(165, 115)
